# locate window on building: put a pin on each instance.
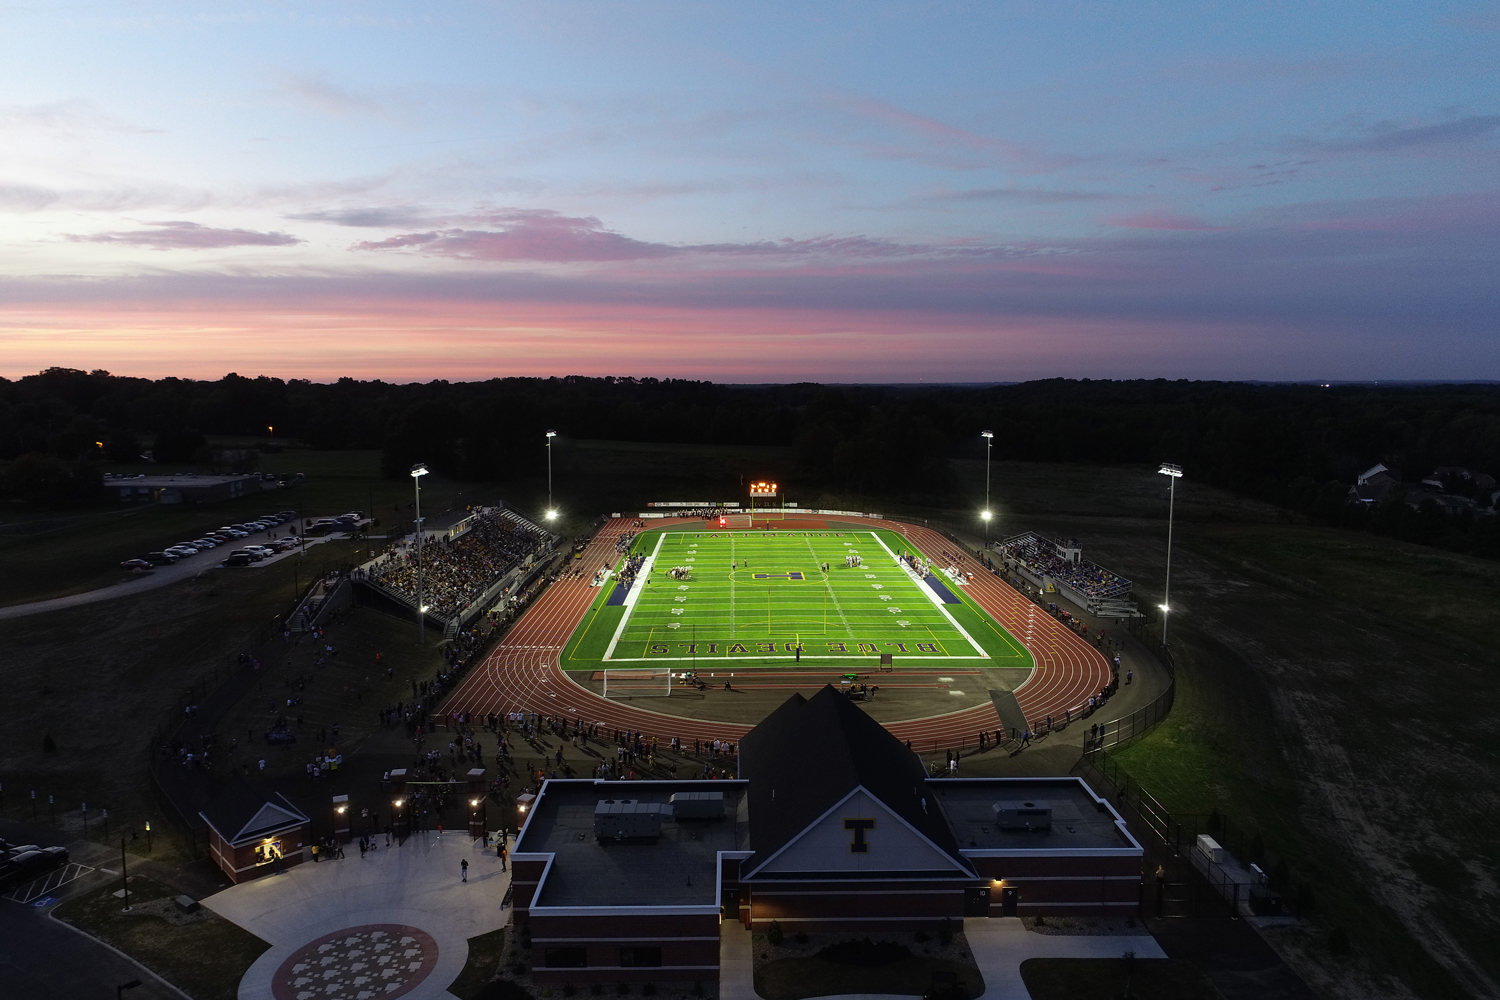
(640, 958)
(567, 958)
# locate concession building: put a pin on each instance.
(833, 825)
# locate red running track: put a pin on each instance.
(522, 672)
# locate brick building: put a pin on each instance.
(253, 833)
(833, 825)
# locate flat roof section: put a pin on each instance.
(679, 869)
(1079, 821)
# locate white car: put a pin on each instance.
(260, 550)
(182, 551)
(203, 543)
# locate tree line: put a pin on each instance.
(1297, 446)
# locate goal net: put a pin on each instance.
(646, 682)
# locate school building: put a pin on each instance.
(833, 826)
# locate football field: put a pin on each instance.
(768, 596)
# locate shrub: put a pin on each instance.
(648, 990)
(800, 937)
(697, 989)
(569, 990)
(945, 931)
(774, 934)
(1041, 920)
(921, 937)
(49, 745)
(622, 989)
(1338, 941)
(597, 989)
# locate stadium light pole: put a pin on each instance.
(989, 445)
(417, 472)
(551, 510)
(1173, 473)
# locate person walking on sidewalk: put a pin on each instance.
(464, 868)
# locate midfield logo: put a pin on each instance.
(794, 575)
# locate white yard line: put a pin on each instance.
(635, 591)
(828, 586)
(936, 600)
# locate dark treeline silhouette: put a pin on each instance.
(1297, 446)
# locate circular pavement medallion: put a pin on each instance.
(357, 963)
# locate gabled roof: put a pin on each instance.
(810, 754)
(243, 813)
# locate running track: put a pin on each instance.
(521, 674)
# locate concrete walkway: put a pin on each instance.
(999, 944)
(162, 576)
(415, 885)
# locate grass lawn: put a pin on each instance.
(100, 679)
(201, 953)
(1335, 698)
(484, 961)
(751, 597)
(862, 967)
(1105, 978)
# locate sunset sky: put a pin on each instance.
(751, 192)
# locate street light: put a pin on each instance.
(1173, 473)
(417, 472)
(989, 445)
(551, 510)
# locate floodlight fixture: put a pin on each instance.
(985, 514)
(552, 515)
(419, 470)
(1167, 469)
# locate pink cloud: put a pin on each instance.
(529, 235)
(188, 236)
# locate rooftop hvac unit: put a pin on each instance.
(627, 819)
(1023, 815)
(1210, 849)
(697, 805)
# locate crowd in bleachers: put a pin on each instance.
(1042, 558)
(455, 571)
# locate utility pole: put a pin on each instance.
(1173, 473)
(989, 446)
(417, 472)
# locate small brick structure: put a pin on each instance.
(253, 832)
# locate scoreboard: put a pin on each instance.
(763, 489)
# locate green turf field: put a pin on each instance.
(757, 596)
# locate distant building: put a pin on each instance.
(183, 488)
(832, 826)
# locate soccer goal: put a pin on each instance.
(647, 682)
(737, 521)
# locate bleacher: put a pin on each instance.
(457, 569)
(1041, 559)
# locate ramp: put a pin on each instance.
(1009, 710)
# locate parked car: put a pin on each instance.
(31, 864)
(187, 547)
(135, 565)
(238, 559)
(260, 550)
(287, 515)
(203, 543)
(161, 558)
